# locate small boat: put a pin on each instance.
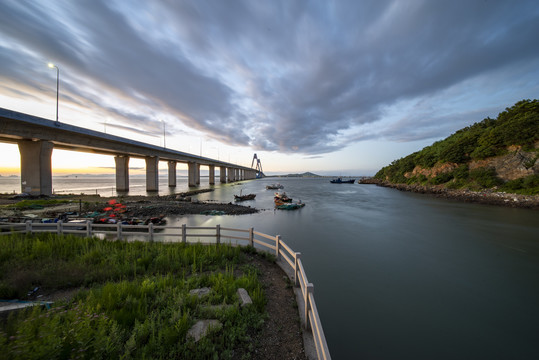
(156, 220)
(274, 186)
(289, 206)
(282, 197)
(339, 180)
(244, 197)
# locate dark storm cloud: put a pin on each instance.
(281, 75)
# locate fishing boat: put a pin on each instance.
(339, 180)
(244, 197)
(274, 186)
(289, 206)
(282, 197)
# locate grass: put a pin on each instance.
(37, 203)
(135, 301)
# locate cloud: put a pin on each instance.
(278, 76)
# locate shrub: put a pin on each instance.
(441, 178)
(528, 185)
(485, 177)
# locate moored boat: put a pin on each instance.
(339, 180)
(274, 186)
(289, 206)
(282, 197)
(244, 197)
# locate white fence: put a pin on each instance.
(183, 234)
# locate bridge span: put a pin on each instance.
(37, 137)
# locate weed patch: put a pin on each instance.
(136, 302)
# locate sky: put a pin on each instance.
(332, 87)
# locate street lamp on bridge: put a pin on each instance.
(51, 65)
(164, 134)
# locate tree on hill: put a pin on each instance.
(517, 127)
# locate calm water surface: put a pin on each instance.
(405, 276)
(400, 275)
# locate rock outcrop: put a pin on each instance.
(516, 164)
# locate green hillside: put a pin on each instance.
(496, 153)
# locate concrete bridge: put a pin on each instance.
(37, 137)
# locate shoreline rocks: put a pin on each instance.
(487, 196)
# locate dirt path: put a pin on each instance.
(281, 336)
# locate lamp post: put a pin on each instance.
(164, 134)
(51, 65)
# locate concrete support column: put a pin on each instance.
(236, 174)
(222, 174)
(122, 172)
(172, 173)
(211, 174)
(230, 174)
(36, 169)
(152, 173)
(191, 174)
(197, 174)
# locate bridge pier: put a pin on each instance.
(222, 174)
(212, 174)
(172, 173)
(36, 169)
(230, 175)
(122, 172)
(152, 173)
(192, 176)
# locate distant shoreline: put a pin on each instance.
(488, 197)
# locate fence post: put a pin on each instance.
(308, 290)
(59, 227)
(296, 259)
(119, 230)
(150, 230)
(184, 233)
(251, 236)
(88, 228)
(218, 233)
(277, 245)
(28, 224)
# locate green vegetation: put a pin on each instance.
(134, 300)
(527, 185)
(37, 203)
(516, 126)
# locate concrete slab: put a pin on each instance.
(200, 292)
(245, 299)
(202, 327)
(6, 306)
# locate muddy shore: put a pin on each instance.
(133, 206)
(488, 197)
